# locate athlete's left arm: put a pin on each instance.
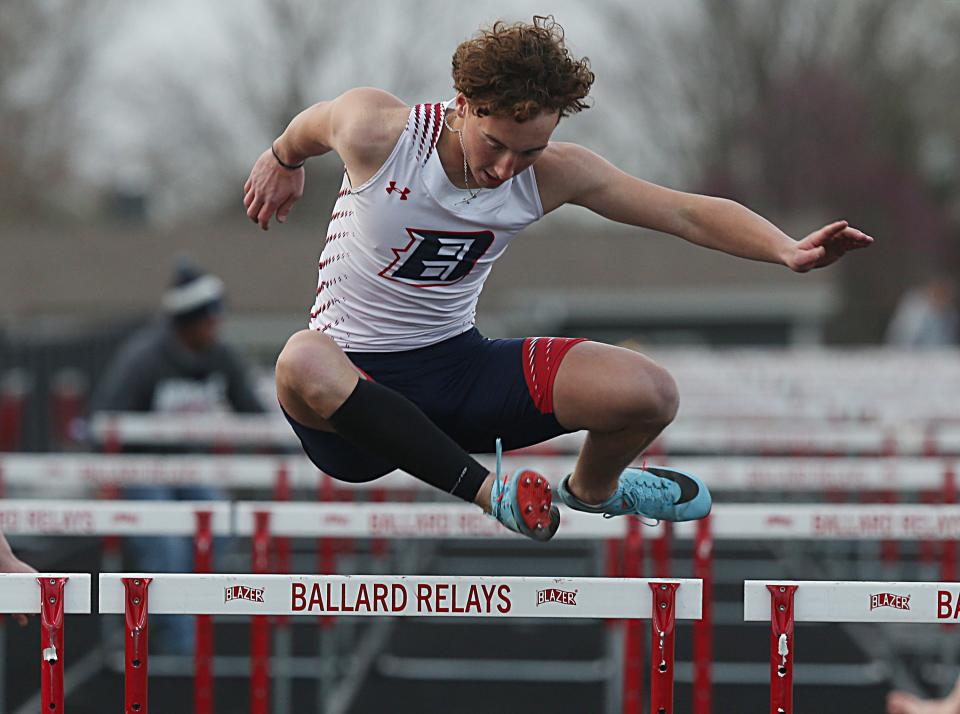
(590, 181)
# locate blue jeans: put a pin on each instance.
(169, 634)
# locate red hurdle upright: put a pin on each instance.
(703, 628)
(260, 625)
(662, 624)
(135, 646)
(52, 595)
(51, 643)
(781, 648)
(203, 656)
(633, 635)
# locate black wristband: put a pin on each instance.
(291, 167)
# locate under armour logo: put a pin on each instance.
(403, 193)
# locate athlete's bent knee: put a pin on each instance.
(655, 397)
(667, 397)
(313, 369)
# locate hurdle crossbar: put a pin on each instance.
(785, 602)
(399, 595)
(830, 522)
(20, 592)
(727, 521)
(858, 601)
(96, 518)
(52, 472)
(663, 601)
(453, 520)
(701, 436)
(401, 520)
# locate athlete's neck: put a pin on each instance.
(450, 153)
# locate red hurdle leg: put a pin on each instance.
(661, 652)
(281, 492)
(948, 570)
(612, 567)
(203, 655)
(13, 399)
(948, 553)
(111, 544)
(889, 549)
(326, 548)
(781, 648)
(51, 643)
(260, 626)
(633, 644)
(67, 391)
(930, 551)
(703, 628)
(135, 647)
(380, 547)
(281, 564)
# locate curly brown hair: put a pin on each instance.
(521, 70)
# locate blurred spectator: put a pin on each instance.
(177, 364)
(926, 315)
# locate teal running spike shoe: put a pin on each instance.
(523, 503)
(657, 492)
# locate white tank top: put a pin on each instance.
(407, 252)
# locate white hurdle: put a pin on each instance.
(52, 595)
(112, 518)
(712, 436)
(785, 602)
(58, 472)
(138, 595)
(402, 520)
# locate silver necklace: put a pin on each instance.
(466, 180)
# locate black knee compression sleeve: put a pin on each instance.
(390, 426)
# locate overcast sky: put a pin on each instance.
(374, 41)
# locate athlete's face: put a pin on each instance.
(200, 334)
(499, 147)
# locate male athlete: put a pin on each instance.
(392, 372)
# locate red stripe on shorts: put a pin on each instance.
(541, 359)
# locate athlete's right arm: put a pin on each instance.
(361, 125)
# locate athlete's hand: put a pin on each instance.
(906, 703)
(825, 246)
(271, 189)
(9, 563)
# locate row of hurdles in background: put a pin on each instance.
(869, 385)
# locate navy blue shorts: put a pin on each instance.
(475, 389)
